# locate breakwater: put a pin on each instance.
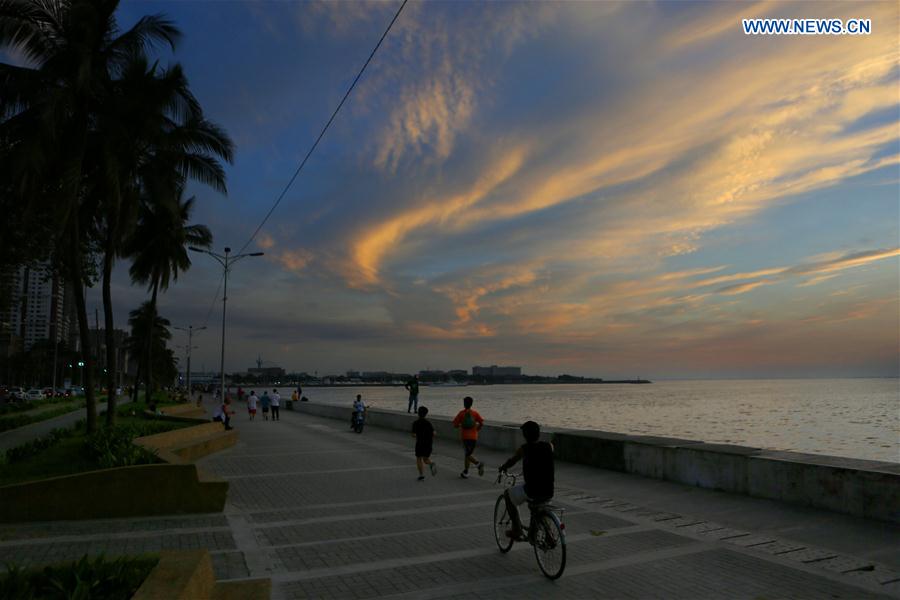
(862, 488)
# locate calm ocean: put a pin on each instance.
(857, 418)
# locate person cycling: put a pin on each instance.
(358, 407)
(538, 471)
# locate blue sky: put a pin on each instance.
(609, 189)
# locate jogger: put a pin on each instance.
(469, 422)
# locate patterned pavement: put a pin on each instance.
(327, 513)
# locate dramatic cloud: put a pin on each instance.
(605, 188)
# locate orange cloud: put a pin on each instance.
(295, 260)
(265, 241)
(374, 244)
(466, 296)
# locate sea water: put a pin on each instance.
(857, 418)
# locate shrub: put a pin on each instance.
(53, 437)
(97, 579)
(113, 448)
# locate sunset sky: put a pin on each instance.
(607, 189)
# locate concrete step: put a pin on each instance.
(249, 589)
(188, 575)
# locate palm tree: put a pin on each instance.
(147, 326)
(46, 114)
(159, 247)
(149, 141)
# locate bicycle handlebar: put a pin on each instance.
(510, 478)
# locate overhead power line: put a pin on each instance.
(324, 129)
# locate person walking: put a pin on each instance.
(265, 402)
(469, 422)
(252, 401)
(413, 386)
(276, 404)
(423, 431)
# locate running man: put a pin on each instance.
(469, 422)
(423, 431)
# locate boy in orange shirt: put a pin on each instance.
(469, 422)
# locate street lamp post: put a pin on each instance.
(190, 346)
(226, 261)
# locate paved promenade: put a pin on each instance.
(327, 513)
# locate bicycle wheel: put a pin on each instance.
(549, 545)
(502, 524)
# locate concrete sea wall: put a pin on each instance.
(863, 488)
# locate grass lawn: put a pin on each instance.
(36, 415)
(67, 405)
(68, 456)
(50, 408)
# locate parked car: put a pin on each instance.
(48, 392)
(76, 391)
(34, 394)
(17, 394)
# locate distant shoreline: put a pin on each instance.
(549, 382)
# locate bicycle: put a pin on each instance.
(546, 531)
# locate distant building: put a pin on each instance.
(383, 376)
(495, 371)
(431, 373)
(266, 372)
(41, 307)
(376, 375)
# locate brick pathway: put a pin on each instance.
(327, 513)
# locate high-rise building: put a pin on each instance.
(495, 371)
(40, 307)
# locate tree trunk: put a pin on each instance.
(109, 255)
(150, 332)
(84, 329)
(71, 184)
(137, 382)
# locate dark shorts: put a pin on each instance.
(423, 451)
(469, 446)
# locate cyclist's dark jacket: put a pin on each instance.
(537, 467)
